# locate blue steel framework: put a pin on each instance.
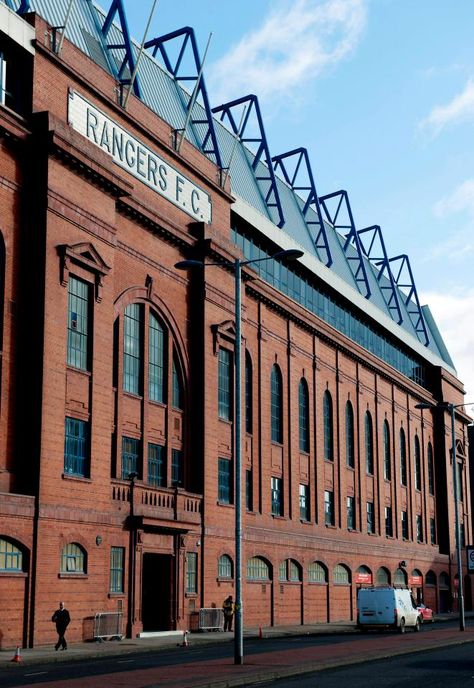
(404, 280)
(209, 144)
(263, 172)
(297, 181)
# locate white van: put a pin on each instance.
(387, 608)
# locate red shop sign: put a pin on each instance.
(363, 578)
(415, 580)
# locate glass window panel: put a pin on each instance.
(76, 447)
(156, 360)
(156, 465)
(78, 323)
(117, 569)
(132, 348)
(224, 384)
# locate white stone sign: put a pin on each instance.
(136, 158)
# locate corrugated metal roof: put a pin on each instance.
(162, 94)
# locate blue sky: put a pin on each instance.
(381, 93)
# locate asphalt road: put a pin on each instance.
(450, 667)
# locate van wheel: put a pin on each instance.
(417, 625)
(401, 628)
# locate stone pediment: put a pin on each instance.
(86, 256)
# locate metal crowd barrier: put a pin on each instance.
(108, 626)
(211, 619)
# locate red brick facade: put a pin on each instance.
(68, 212)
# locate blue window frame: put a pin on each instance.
(369, 444)
(328, 427)
(156, 361)
(73, 559)
(387, 458)
(303, 397)
(224, 491)
(130, 456)
(277, 496)
(78, 323)
(117, 557)
(350, 453)
(177, 468)
(11, 558)
(76, 447)
(156, 465)
(132, 348)
(276, 403)
(403, 458)
(225, 384)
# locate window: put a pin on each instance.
(248, 394)
(11, 558)
(388, 521)
(387, 461)
(328, 427)
(329, 508)
(277, 497)
(419, 528)
(257, 569)
(459, 482)
(433, 531)
(430, 578)
(132, 347)
(78, 324)
(225, 384)
(177, 468)
(403, 458)
(156, 465)
(341, 575)
(117, 556)
(156, 361)
(224, 491)
(370, 518)
(289, 570)
(400, 577)
(417, 463)
(369, 444)
(130, 454)
(177, 388)
(249, 490)
(224, 567)
(350, 453)
(431, 485)
(76, 443)
(317, 573)
(72, 559)
(191, 572)
(276, 406)
(405, 525)
(350, 503)
(304, 502)
(382, 577)
(3, 79)
(462, 535)
(303, 396)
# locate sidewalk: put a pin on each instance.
(129, 646)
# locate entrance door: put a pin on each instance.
(157, 588)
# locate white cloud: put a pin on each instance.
(458, 245)
(461, 108)
(297, 41)
(460, 200)
(453, 315)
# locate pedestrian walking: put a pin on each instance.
(62, 619)
(228, 608)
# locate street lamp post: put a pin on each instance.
(452, 409)
(236, 267)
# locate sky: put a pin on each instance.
(381, 93)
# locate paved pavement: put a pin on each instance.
(222, 673)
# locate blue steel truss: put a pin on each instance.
(373, 246)
(117, 8)
(403, 277)
(303, 184)
(209, 143)
(342, 220)
(23, 8)
(264, 173)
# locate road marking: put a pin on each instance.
(37, 673)
(125, 661)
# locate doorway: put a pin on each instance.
(157, 592)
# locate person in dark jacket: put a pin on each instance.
(61, 618)
(228, 609)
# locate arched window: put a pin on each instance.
(387, 459)
(350, 453)
(303, 396)
(417, 464)
(364, 575)
(317, 573)
(430, 578)
(156, 360)
(369, 444)
(248, 394)
(341, 575)
(73, 559)
(132, 348)
(178, 402)
(224, 567)
(257, 569)
(276, 405)
(431, 477)
(328, 427)
(403, 458)
(444, 580)
(289, 570)
(11, 557)
(400, 577)
(382, 577)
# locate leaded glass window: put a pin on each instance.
(276, 406)
(328, 427)
(257, 569)
(117, 556)
(76, 443)
(224, 384)
(11, 558)
(156, 360)
(387, 459)
(303, 408)
(317, 573)
(403, 458)
(225, 481)
(78, 324)
(224, 567)
(156, 465)
(350, 453)
(191, 572)
(72, 559)
(369, 444)
(132, 348)
(130, 456)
